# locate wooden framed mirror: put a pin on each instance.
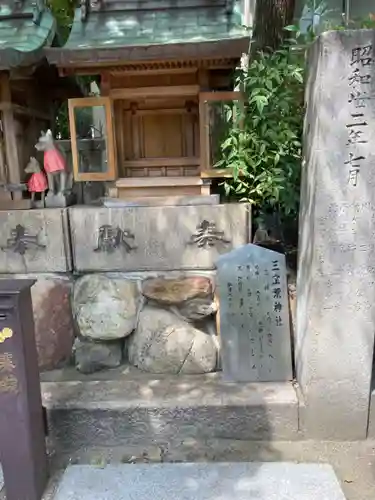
(92, 139)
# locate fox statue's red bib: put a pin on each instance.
(54, 163)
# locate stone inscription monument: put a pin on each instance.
(336, 279)
(254, 315)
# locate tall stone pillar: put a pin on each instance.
(336, 279)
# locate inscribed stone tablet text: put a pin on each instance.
(254, 315)
(336, 272)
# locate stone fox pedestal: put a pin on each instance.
(336, 273)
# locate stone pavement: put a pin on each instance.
(353, 462)
(189, 481)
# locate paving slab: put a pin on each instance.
(224, 481)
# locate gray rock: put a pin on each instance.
(94, 356)
(164, 343)
(196, 309)
(105, 308)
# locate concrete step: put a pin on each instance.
(143, 410)
(229, 481)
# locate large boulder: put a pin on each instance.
(164, 343)
(105, 308)
(92, 356)
(169, 291)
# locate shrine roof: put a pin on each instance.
(26, 27)
(114, 31)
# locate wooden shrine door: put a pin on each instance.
(158, 137)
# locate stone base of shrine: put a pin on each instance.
(371, 422)
(125, 407)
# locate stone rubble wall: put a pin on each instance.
(161, 325)
(149, 301)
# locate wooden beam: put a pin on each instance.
(142, 92)
(227, 48)
(10, 136)
(230, 95)
(217, 173)
(220, 173)
(164, 66)
(22, 110)
(161, 162)
(134, 182)
(146, 5)
(152, 71)
(166, 111)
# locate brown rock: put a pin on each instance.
(177, 290)
(53, 321)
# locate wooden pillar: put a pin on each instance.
(105, 84)
(204, 133)
(22, 439)
(3, 167)
(9, 131)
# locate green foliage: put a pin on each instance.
(263, 145)
(368, 22)
(63, 10)
(61, 128)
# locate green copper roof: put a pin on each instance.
(24, 31)
(118, 29)
(106, 30)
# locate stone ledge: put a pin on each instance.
(167, 391)
(150, 409)
(371, 420)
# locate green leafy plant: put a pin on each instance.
(63, 10)
(263, 145)
(61, 125)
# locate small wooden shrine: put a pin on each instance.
(166, 74)
(26, 89)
